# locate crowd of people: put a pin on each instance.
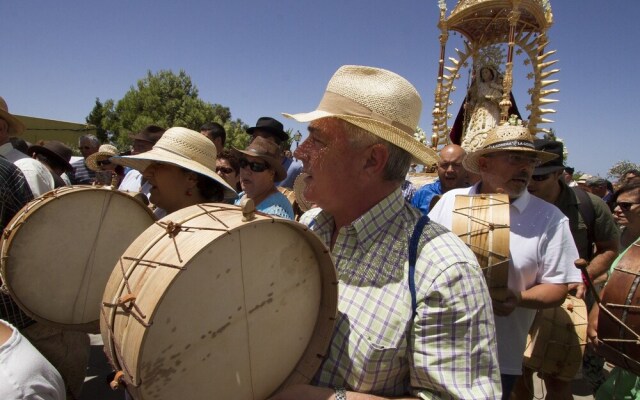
(415, 318)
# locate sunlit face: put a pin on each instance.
(630, 217)
(169, 185)
(450, 170)
(507, 172)
(332, 164)
(545, 186)
(224, 169)
(256, 184)
(87, 147)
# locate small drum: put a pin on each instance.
(557, 338)
(482, 222)
(214, 302)
(59, 250)
(619, 317)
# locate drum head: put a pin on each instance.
(224, 309)
(59, 251)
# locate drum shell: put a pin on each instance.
(619, 345)
(186, 334)
(557, 339)
(58, 252)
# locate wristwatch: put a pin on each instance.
(341, 394)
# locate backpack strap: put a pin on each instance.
(585, 207)
(413, 257)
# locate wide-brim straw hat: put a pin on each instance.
(16, 126)
(378, 101)
(183, 148)
(54, 151)
(502, 138)
(104, 152)
(298, 189)
(268, 151)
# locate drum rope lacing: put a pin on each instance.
(625, 310)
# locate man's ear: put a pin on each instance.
(376, 159)
(483, 163)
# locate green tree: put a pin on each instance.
(163, 99)
(618, 169)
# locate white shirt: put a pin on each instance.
(25, 374)
(132, 182)
(541, 251)
(37, 174)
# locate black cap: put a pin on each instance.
(272, 126)
(553, 147)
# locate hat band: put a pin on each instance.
(337, 104)
(511, 143)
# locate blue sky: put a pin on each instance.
(262, 57)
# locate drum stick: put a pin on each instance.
(582, 264)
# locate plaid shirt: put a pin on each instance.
(14, 193)
(448, 350)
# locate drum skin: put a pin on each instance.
(619, 337)
(482, 222)
(557, 338)
(224, 308)
(59, 250)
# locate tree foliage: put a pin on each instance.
(164, 99)
(618, 169)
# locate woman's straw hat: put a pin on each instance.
(105, 152)
(298, 189)
(378, 101)
(16, 127)
(505, 137)
(183, 148)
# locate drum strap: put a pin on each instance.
(585, 207)
(413, 257)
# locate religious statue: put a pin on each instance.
(482, 106)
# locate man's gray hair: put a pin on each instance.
(399, 160)
(92, 138)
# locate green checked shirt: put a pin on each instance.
(448, 350)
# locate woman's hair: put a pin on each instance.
(627, 187)
(233, 160)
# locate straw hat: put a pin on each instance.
(506, 137)
(16, 126)
(298, 189)
(105, 151)
(183, 148)
(378, 101)
(55, 151)
(267, 150)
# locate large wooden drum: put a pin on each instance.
(59, 250)
(557, 338)
(619, 316)
(482, 222)
(206, 304)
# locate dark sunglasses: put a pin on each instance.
(102, 163)
(253, 166)
(625, 205)
(540, 178)
(224, 170)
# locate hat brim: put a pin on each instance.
(16, 127)
(543, 170)
(470, 162)
(92, 160)
(421, 153)
(141, 161)
(274, 163)
(50, 155)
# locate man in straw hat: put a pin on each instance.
(542, 251)
(406, 326)
(38, 176)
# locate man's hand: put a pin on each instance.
(580, 289)
(506, 307)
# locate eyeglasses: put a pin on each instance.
(224, 170)
(517, 159)
(540, 178)
(625, 205)
(454, 165)
(102, 163)
(254, 166)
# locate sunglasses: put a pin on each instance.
(540, 178)
(625, 205)
(224, 170)
(102, 163)
(253, 166)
